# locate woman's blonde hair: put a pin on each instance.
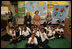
(28, 12)
(48, 14)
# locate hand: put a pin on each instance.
(27, 22)
(32, 40)
(35, 44)
(47, 32)
(12, 35)
(34, 31)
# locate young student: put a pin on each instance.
(44, 24)
(13, 40)
(51, 33)
(32, 26)
(32, 42)
(15, 36)
(37, 33)
(20, 29)
(59, 32)
(47, 28)
(25, 32)
(18, 33)
(44, 38)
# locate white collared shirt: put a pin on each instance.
(43, 38)
(51, 33)
(57, 29)
(11, 32)
(61, 29)
(28, 29)
(35, 40)
(20, 30)
(37, 33)
(48, 28)
(26, 33)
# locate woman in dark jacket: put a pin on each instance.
(27, 20)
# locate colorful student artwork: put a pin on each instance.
(59, 12)
(21, 8)
(41, 6)
(57, 2)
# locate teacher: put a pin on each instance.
(36, 19)
(27, 20)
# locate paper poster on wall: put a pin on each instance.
(59, 12)
(4, 10)
(21, 8)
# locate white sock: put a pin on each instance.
(59, 36)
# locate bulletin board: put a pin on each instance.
(41, 6)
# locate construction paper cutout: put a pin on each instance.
(62, 9)
(33, 7)
(43, 7)
(41, 3)
(31, 3)
(16, 10)
(61, 14)
(57, 9)
(37, 2)
(55, 13)
(31, 13)
(37, 5)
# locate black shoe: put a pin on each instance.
(46, 46)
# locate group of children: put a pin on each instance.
(35, 36)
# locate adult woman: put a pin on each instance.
(36, 18)
(27, 19)
(8, 34)
(48, 18)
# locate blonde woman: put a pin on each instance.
(48, 17)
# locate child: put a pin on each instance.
(18, 33)
(20, 29)
(44, 38)
(37, 33)
(47, 28)
(51, 33)
(32, 42)
(25, 32)
(44, 24)
(13, 40)
(59, 32)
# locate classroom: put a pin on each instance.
(35, 24)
